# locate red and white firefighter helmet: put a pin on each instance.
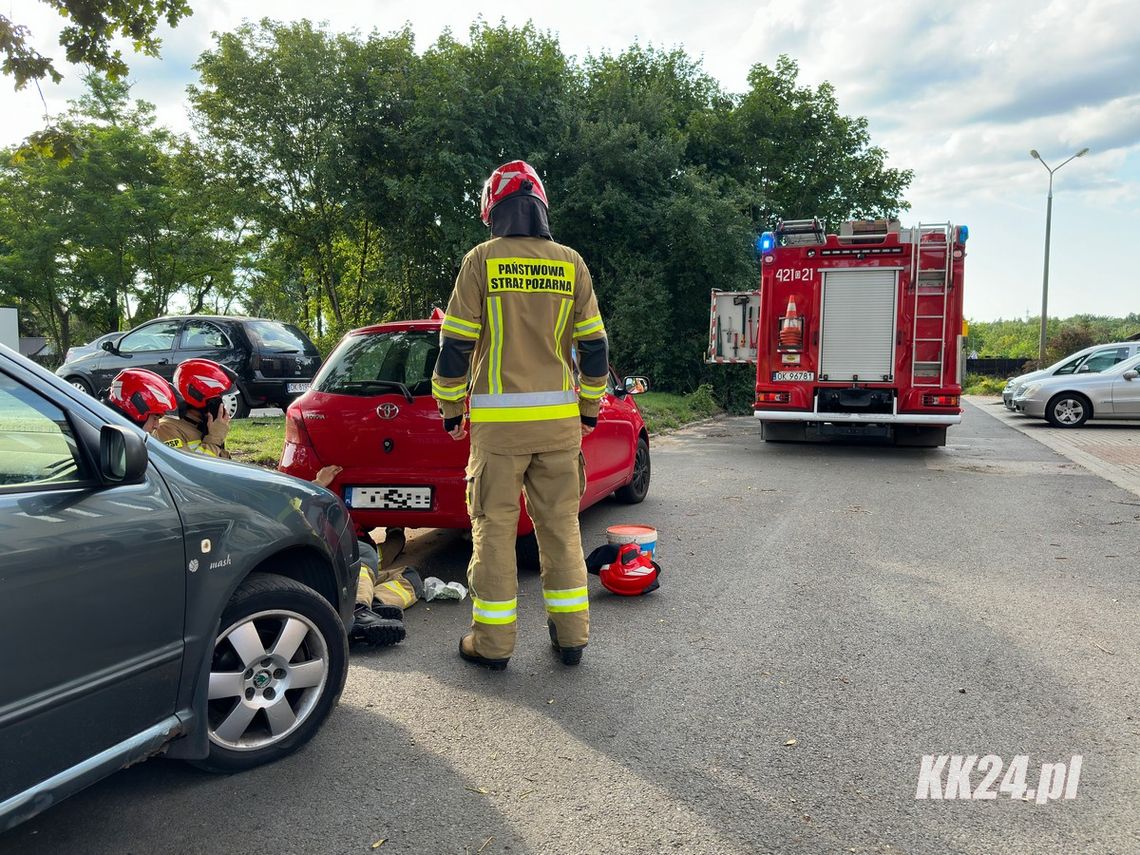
(624, 569)
(518, 176)
(199, 381)
(139, 394)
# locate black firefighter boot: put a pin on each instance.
(568, 655)
(373, 629)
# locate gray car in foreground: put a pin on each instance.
(1072, 400)
(153, 601)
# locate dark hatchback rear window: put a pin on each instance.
(276, 337)
(374, 364)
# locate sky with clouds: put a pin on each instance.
(958, 92)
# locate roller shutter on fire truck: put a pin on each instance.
(858, 325)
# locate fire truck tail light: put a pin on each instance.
(940, 400)
(774, 397)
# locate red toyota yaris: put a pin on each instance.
(370, 411)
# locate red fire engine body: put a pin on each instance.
(860, 333)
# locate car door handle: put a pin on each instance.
(163, 362)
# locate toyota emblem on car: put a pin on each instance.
(387, 411)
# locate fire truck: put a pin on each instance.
(853, 334)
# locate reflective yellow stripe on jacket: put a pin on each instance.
(461, 327)
(449, 393)
(195, 446)
(524, 406)
(589, 326)
(591, 393)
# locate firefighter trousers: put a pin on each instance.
(553, 483)
(379, 580)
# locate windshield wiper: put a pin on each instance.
(380, 384)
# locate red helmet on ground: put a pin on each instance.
(624, 569)
(139, 394)
(518, 176)
(199, 381)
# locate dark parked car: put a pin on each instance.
(274, 361)
(153, 600)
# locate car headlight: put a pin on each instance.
(1028, 391)
(1009, 386)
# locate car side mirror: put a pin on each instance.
(636, 385)
(111, 346)
(1131, 374)
(122, 455)
(1084, 369)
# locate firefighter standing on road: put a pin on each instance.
(520, 302)
(203, 422)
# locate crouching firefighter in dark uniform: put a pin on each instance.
(520, 304)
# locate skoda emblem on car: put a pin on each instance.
(387, 411)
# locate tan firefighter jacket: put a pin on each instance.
(187, 435)
(519, 306)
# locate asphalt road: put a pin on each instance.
(873, 604)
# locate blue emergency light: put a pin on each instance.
(963, 233)
(766, 243)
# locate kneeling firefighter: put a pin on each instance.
(520, 303)
(141, 396)
(203, 420)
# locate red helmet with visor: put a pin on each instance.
(139, 394)
(518, 176)
(199, 381)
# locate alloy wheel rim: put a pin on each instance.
(268, 672)
(1069, 411)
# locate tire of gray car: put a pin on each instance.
(80, 384)
(637, 489)
(1068, 410)
(279, 664)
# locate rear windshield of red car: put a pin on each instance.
(372, 364)
(276, 337)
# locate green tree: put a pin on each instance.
(115, 231)
(87, 39)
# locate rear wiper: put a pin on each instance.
(380, 384)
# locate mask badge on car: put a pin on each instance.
(387, 411)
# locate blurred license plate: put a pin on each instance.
(296, 388)
(793, 375)
(389, 498)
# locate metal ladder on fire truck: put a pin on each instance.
(930, 281)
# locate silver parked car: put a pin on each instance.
(1073, 399)
(93, 346)
(1092, 359)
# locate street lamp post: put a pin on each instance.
(1048, 224)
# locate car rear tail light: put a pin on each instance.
(295, 430)
(940, 400)
(773, 397)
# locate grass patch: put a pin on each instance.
(979, 384)
(667, 411)
(258, 440)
